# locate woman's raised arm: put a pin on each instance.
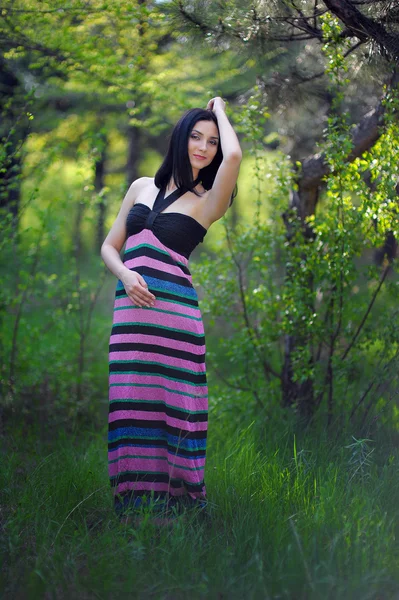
(218, 199)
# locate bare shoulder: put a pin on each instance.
(137, 187)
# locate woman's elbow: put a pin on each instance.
(235, 156)
(104, 250)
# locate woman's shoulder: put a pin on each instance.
(141, 183)
(137, 188)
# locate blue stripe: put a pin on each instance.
(123, 445)
(166, 286)
(158, 433)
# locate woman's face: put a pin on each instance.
(203, 144)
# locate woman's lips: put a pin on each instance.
(199, 157)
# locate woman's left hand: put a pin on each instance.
(216, 103)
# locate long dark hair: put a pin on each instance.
(176, 163)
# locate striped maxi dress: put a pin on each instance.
(158, 395)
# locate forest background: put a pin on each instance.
(298, 288)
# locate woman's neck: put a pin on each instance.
(171, 186)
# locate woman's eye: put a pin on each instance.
(195, 137)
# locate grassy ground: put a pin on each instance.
(289, 518)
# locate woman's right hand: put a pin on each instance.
(137, 289)
(216, 103)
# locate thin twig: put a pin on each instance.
(370, 306)
(22, 304)
(252, 331)
(228, 383)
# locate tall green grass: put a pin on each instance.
(289, 517)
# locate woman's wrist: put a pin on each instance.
(122, 272)
(219, 109)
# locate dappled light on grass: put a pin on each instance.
(286, 518)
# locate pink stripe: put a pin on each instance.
(146, 261)
(146, 236)
(143, 450)
(189, 311)
(149, 485)
(131, 338)
(150, 317)
(180, 386)
(158, 487)
(153, 466)
(159, 395)
(145, 415)
(171, 361)
(148, 451)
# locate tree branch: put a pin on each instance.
(364, 136)
(363, 27)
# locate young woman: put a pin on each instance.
(158, 388)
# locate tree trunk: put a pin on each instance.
(133, 154)
(99, 184)
(13, 135)
(304, 202)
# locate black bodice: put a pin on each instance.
(177, 231)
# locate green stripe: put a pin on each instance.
(147, 437)
(189, 412)
(156, 458)
(173, 293)
(157, 250)
(158, 364)
(159, 327)
(159, 375)
(167, 312)
(158, 386)
(163, 300)
(176, 302)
